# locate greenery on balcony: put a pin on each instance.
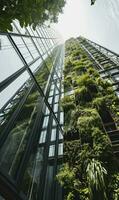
(90, 170)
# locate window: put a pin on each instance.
(45, 122)
(61, 118)
(43, 136)
(60, 136)
(53, 135)
(51, 150)
(56, 98)
(50, 100)
(60, 149)
(55, 109)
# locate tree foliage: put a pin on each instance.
(29, 12)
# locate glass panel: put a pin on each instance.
(55, 107)
(22, 48)
(51, 150)
(31, 178)
(31, 47)
(56, 91)
(47, 111)
(48, 190)
(35, 66)
(51, 93)
(60, 149)
(42, 75)
(13, 148)
(50, 100)
(8, 92)
(9, 59)
(53, 135)
(45, 122)
(61, 118)
(54, 122)
(56, 98)
(52, 87)
(43, 136)
(39, 45)
(60, 136)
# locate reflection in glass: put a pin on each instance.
(45, 122)
(23, 49)
(43, 136)
(8, 92)
(53, 134)
(48, 183)
(51, 150)
(9, 59)
(31, 178)
(14, 146)
(60, 149)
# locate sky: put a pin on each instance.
(98, 22)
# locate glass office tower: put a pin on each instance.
(31, 119)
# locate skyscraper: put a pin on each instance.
(91, 132)
(31, 119)
(31, 132)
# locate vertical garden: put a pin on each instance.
(91, 169)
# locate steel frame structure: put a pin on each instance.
(47, 46)
(107, 64)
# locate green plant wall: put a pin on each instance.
(90, 170)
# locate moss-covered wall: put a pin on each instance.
(90, 169)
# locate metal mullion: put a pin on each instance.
(43, 60)
(43, 32)
(11, 78)
(35, 81)
(11, 121)
(45, 158)
(45, 43)
(31, 144)
(5, 105)
(23, 35)
(51, 35)
(104, 53)
(38, 42)
(23, 40)
(48, 53)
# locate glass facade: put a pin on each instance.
(31, 119)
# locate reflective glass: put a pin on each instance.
(53, 134)
(60, 136)
(31, 47)
(60, 149)
(43, 136)
(61, 118)
(55, 109)
(13, 148)
(8, 92)
(30, 185)
(48, 190)
(36, 65)
(45, 122)
(51, 150)
(23, 48)
(9, 59)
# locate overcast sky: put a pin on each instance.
(99, 22)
